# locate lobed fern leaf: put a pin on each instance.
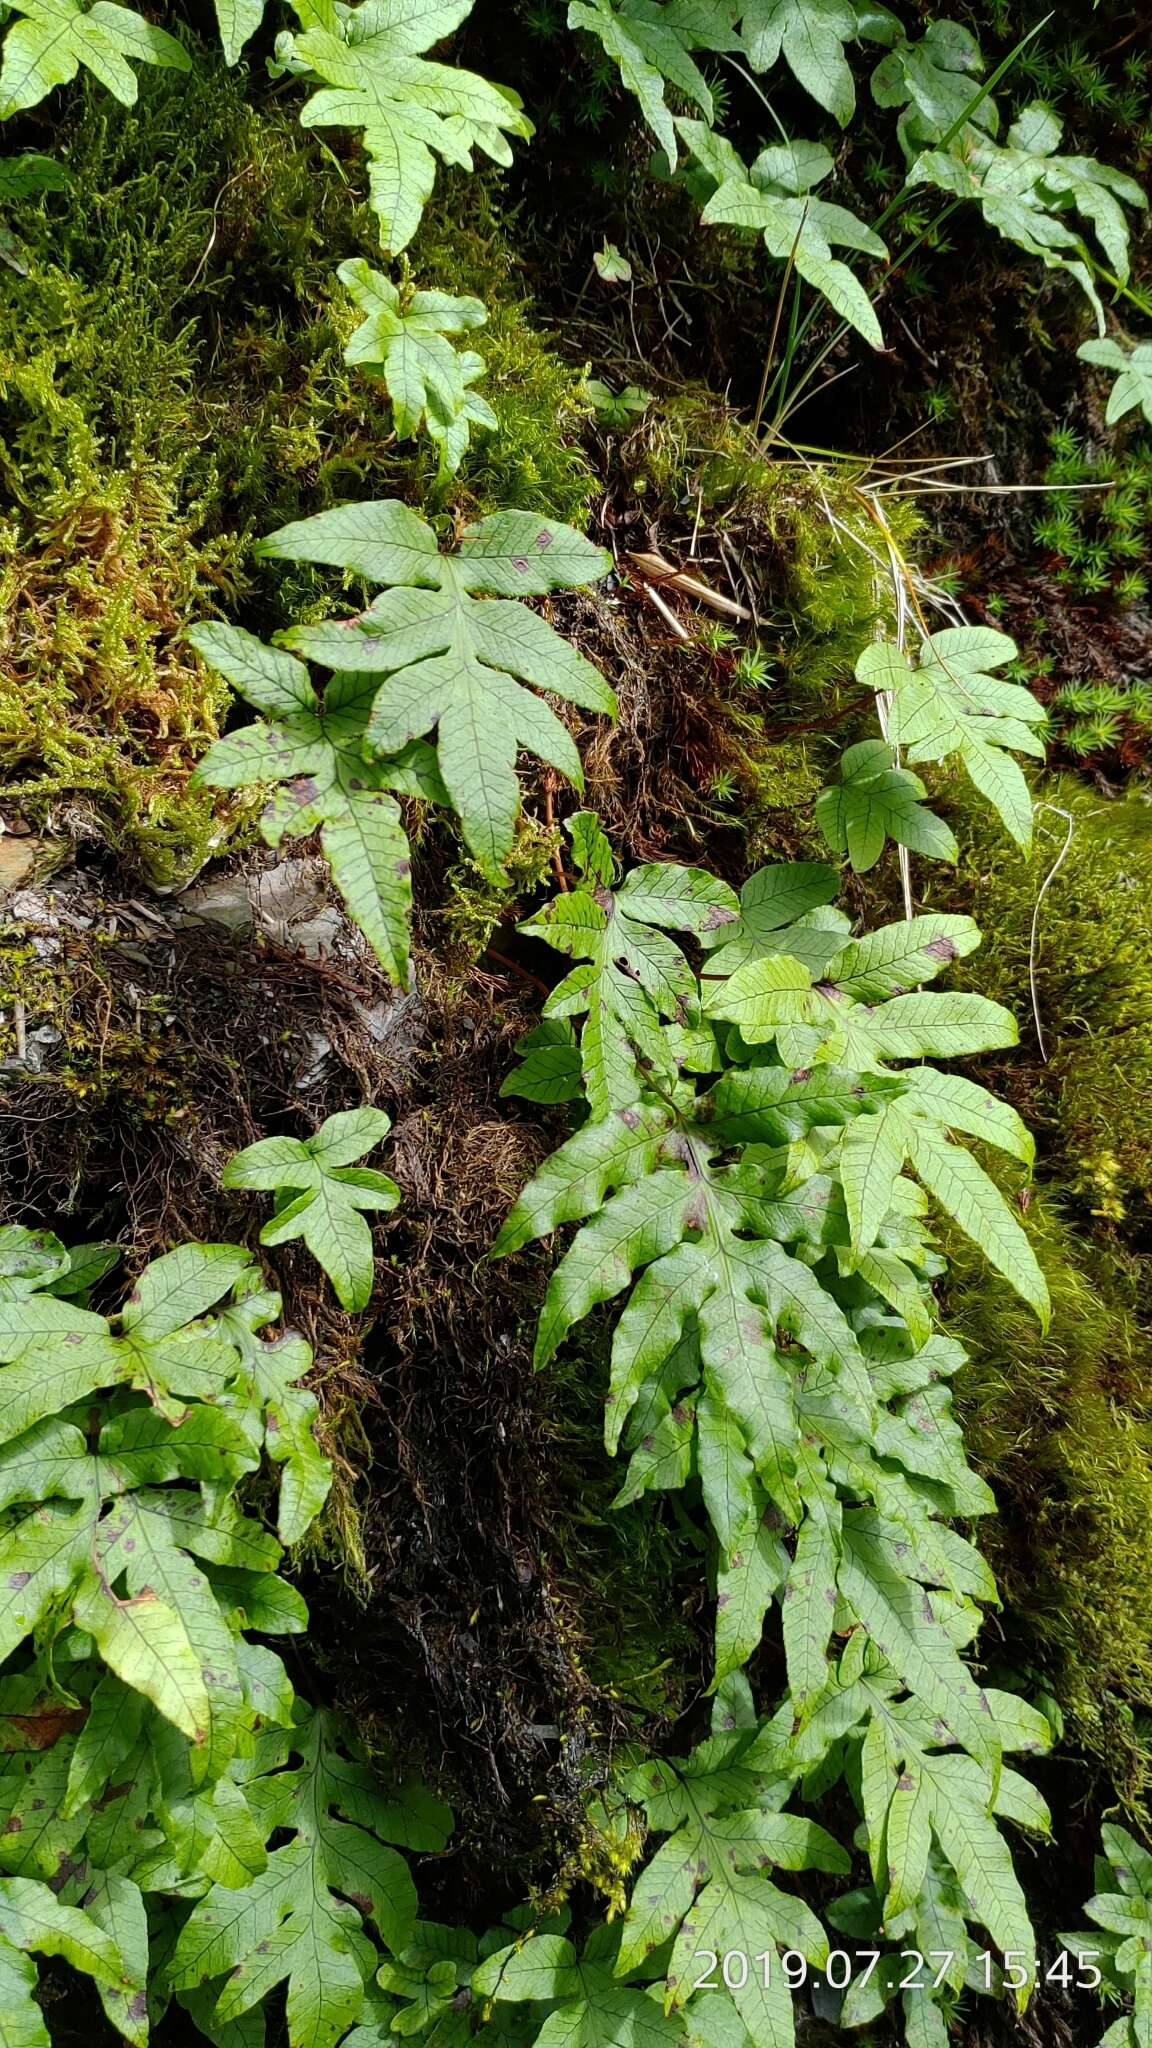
(375, 77)
(432, 652)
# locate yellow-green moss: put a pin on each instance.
(803, 532)
(172, 384)
(1091, 1101)
(473, 907)
(1062, 1426)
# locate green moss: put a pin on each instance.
(172, 384)
(474, 907)
(1091, 1100)
(117, 528)
(536, 459)
(777, 781)
(1062, 1425)
(811, 538)
(101, 704)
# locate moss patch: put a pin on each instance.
(1062, 1426)
(171, 385)
(1091, 1100)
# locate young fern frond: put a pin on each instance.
(321, 1193)
(406, 345)
(873, 802)
(1133, 387)
(775, 196)
(372, 74)
(951, 703)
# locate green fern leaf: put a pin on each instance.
(550, 1068)
(321, 1195)
(52, 39)
(897, 957)
(428, 380)
(937, 1855)
(21, 2015)
(682, 1222)
(1026, 190)
(979, 1854)
(952, 704)
(746, 1581)
(953, 1102)
(706, 1888)
(1121, 1907)
(451, 662)
(238, 21)
(271, 1370)
(966, 1193)
(782, 910)
(904, 1628)
(315, 749)
(870, 1161)
(591, 2007)
(291, 1924)
(33, 1920)
(1133, 386)
(144, 1641)
(775, 198)
(410, 111)
(60, 1354)
(936, 80)
(875, 801)
(809, 1606)
(811, 39)
(169, 1634)
(776, 1000)
(652, 45)
(635, 975)
(20, 176)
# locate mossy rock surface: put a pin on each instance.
(172, 385)
(1067, 946)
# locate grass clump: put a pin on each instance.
(804, 534)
